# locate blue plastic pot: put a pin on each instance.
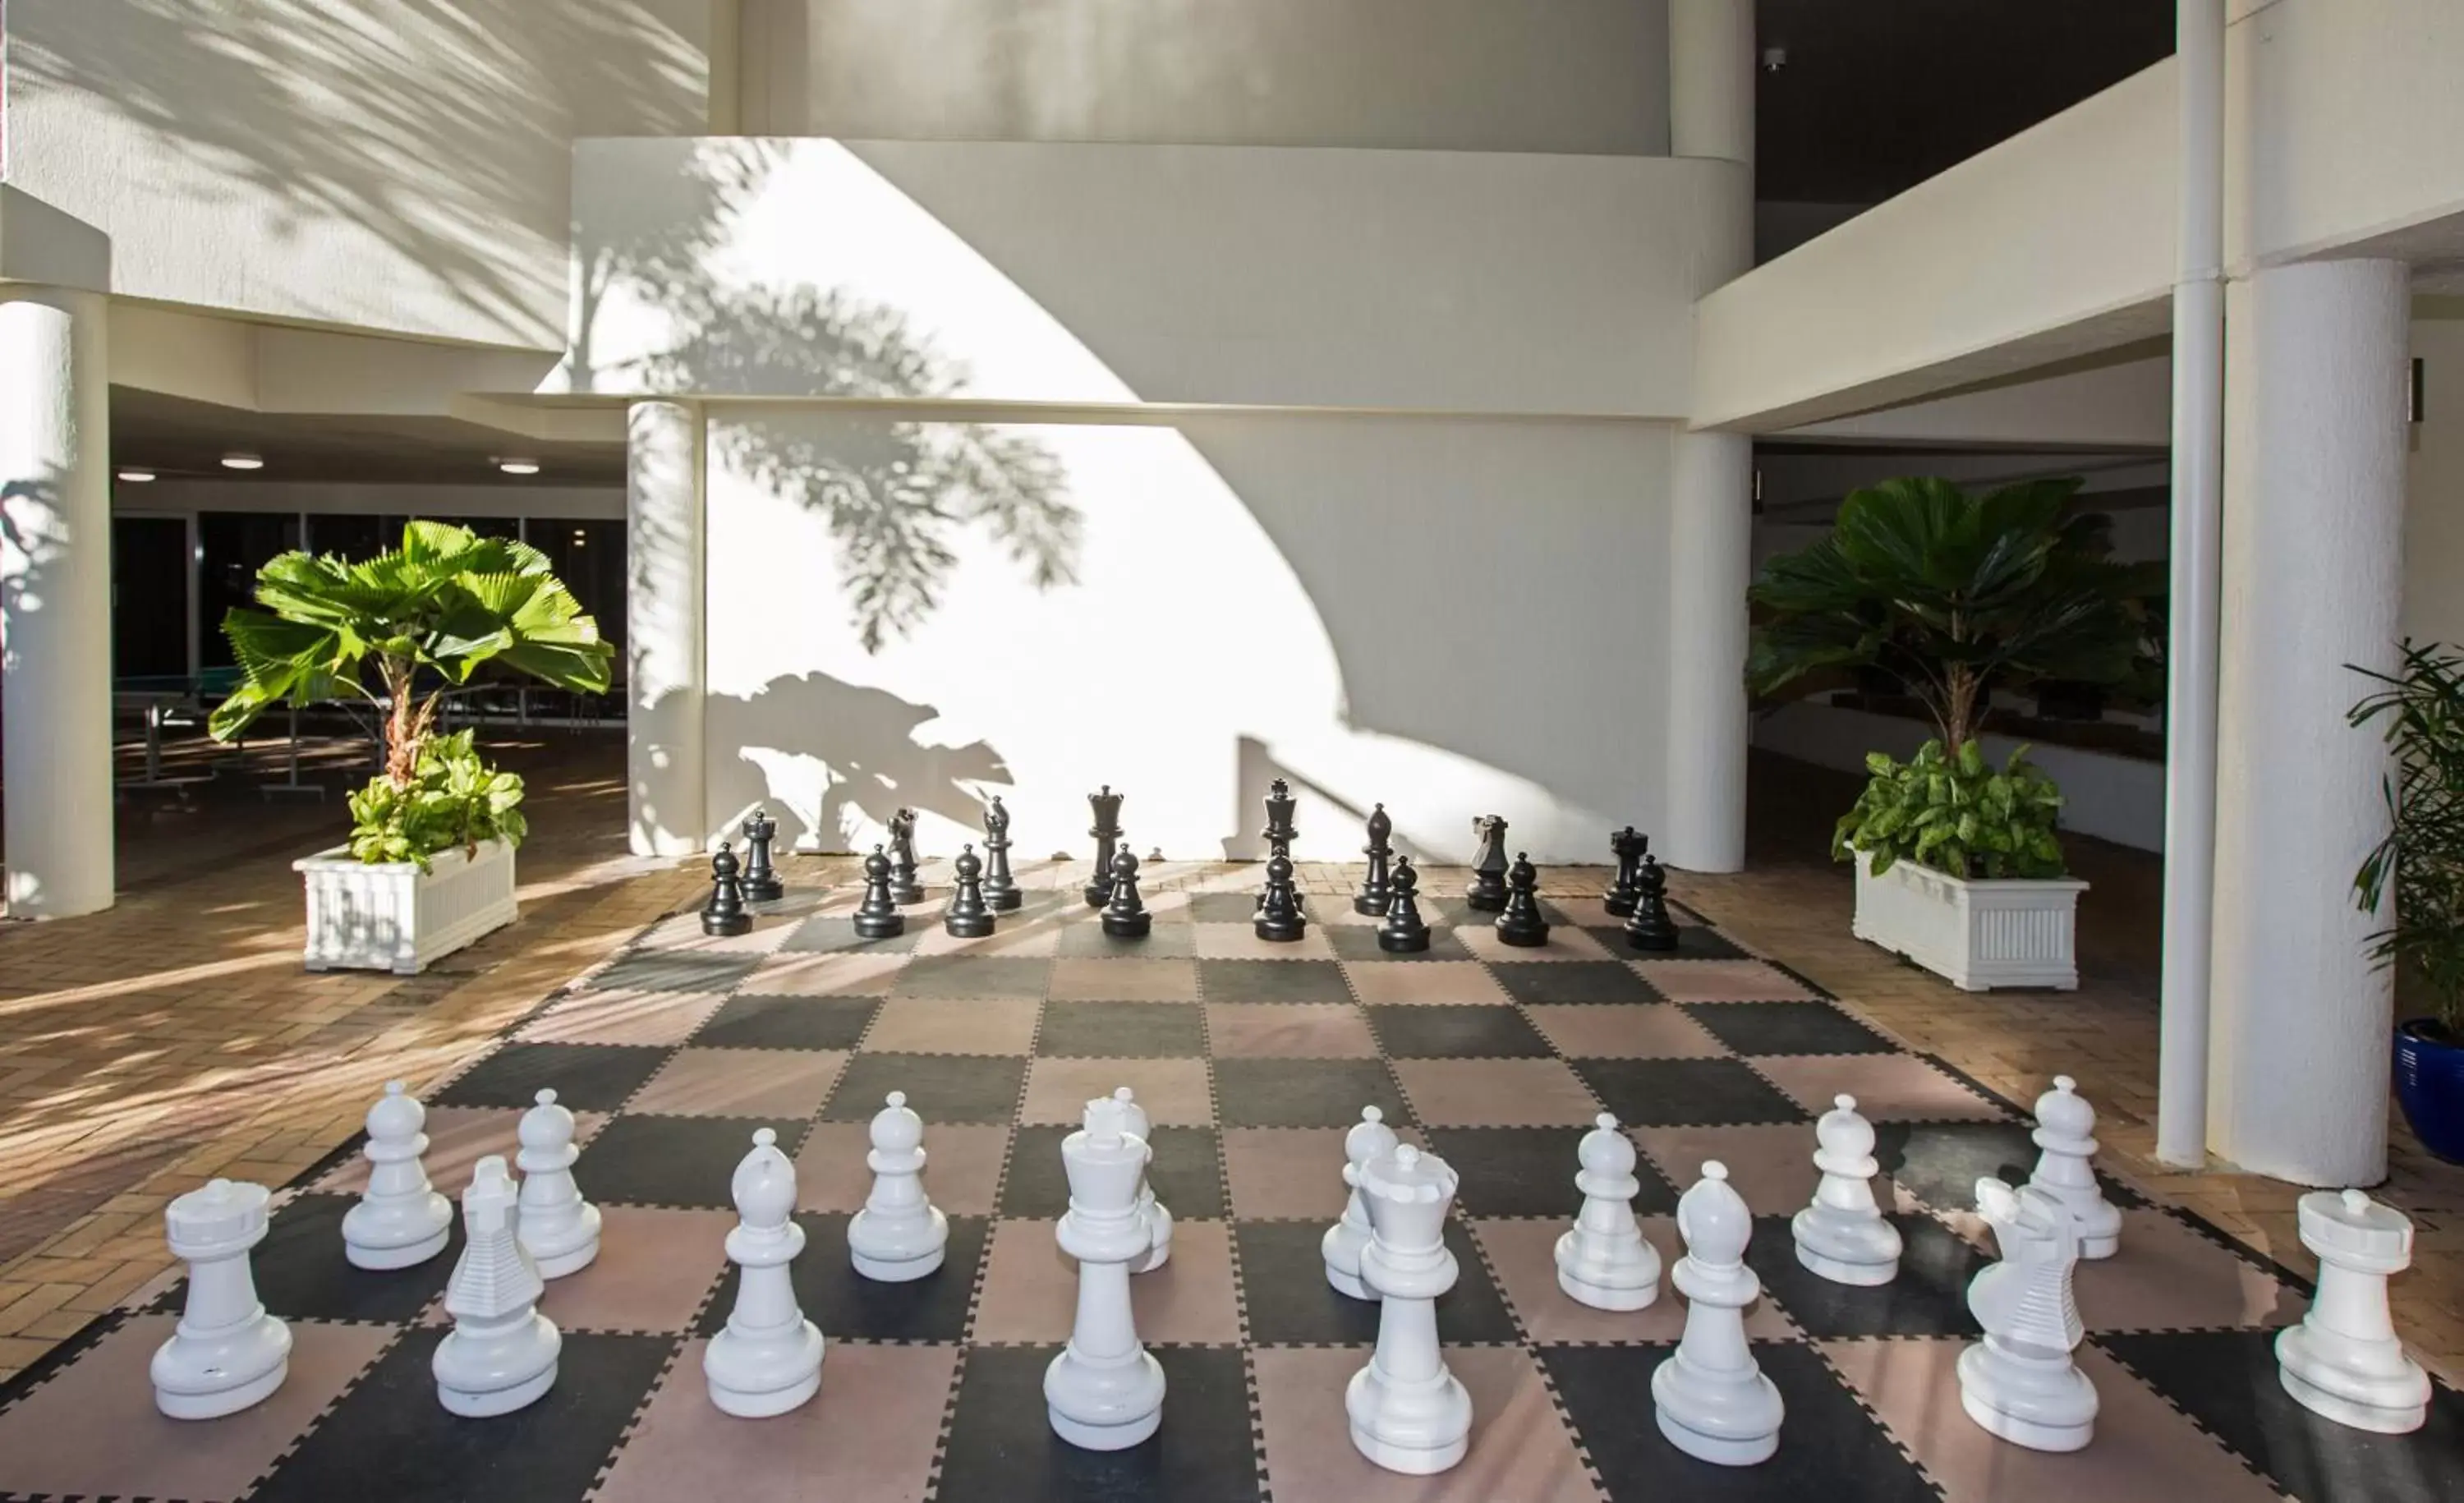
(2429, 1085)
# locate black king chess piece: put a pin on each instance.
(724, 912)
(967, 918)
(1001, 893)
(1627, 845)
(1487, 890)
(1124, 917)
(1651, 928)
(1403, 933)
(761, 884)
(877, 917)
(1521, 925)
(1377, 886)
(903, 886)
(1279, 911)
(1280, 832)
(1106, 830)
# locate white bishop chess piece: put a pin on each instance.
(2067, 1167)
(1603, 1262)
(1104, 1391)
(899, 1235)
(501, 1353)
(1343, 1242)
(558, 1229)
(1712, 1400)
(1842, 1236)
(2343, 1360)
(769, 1359)
(226, 1353)
(2020, 1383)
(1408, 1413)
(401, 1219)
(1151, 1211)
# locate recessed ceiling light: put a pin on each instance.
(137, 476)
(243, 462)
(518, 466)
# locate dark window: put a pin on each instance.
(233, 546)
(149, 597)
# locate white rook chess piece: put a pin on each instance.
(1408, 1413)
(501, 1353)
(2020, 1382)
(1151, 1211)
(768, 1360)
(2066, 1168)
(228, 1353)
(2343, 1360)
(1713, 1402)
(1603, 1262)
(899, 1235)
(558, 1229)
(1342, 1241)
(1842, 1235)
(1104, 1391)
(401, 1219)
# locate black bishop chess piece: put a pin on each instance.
(967, 918)
(1279, 910)
(1627, 845)
(1403, 933)
(1107, 829)
(761, 884)
(1002, 893)
(1651, 928)
(724, 913)
(1487, 890)
(1125, 916)
(1377, 886)
(877, 917)
(903, 886)
(1521, 925)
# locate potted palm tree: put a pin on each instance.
(428, 867)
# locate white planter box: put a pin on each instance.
(1979, 934)
(393, 917)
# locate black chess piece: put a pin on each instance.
(903, 885)
(1377, 886)
(1002, 893)
(1403, 933)
(1521, 925)
(1279, 913)
(967, 918)
(761, 884)
(1627, 845)
(877, 917)
(724, 912)
(1106, 830)
(1280, 832)
(1124, 917)
(1487, 890)
(1651, 928)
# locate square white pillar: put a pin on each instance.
(664, 627)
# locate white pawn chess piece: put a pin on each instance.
(769, 1359)
(1841, 1236)
(2067, 1167)
(1712, 1400)
(2020, 1383)
(226, 1353)
(501, 1353)
(1158, 1221)
(1408, 1413)
(2343, 1360)
(1342, 1241)
(1604, 1261)
(558, 1229)
(1104, 1391)
(401, 1219)
(899, 1235)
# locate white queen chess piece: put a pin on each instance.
(1604, 1261)
(899, 1235)
(501, 1353)
(1842, 1236)
(2067, 1167)
(2343, 1360)
(1711, 1397)
(226, 1353)
(1408, 1413)
(1104, 1391)
(2020, 1383)
(1342, 1241)
(401, 1219)
(1158, 1221)
(769, 1359)
(558, 1229)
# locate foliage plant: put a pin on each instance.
(454, 799)
(2421, 859)
(1955, 814)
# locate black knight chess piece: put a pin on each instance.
(967, 918)
(1124, 917)
(877, 917)
(1002, 893)
(1521, 925)
(1487, 890)
(1403, 933)
(724, 913)
(903, 886)
(1651, 928)
(761, 884)
(1627, 845)
(1377, 887)
(1279, 910)
(1106, 830)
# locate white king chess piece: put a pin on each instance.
(226, 1353)
(899, 1235)
(1104, 1391)
(1842, 1236)
(558, 1229)
(401, 1219)
(501, 1353)
(1408, 1413)
(1342, 1241)
(1158, 1221)
(2343, 1360)
(2020, 1382)
(2067, 1167)
(1711, 1397)
(1604, 1261)
(769, 1359)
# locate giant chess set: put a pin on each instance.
(1123, 1181)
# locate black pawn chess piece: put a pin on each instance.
(1124, 917)
(1651, 928)
(967, 918)
(1002, 893)
(1521, 925)
(1403, 933)
(761, 884)
(877, 917)
(903, 885)
(1627, 845)
(724, 912)
(1377, 886)
(1106, 830)
(1487, 890)
(1279, 911)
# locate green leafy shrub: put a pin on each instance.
(2422, 857)
(1955, 814)
(454, 799)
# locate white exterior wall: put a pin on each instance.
(2434, 513)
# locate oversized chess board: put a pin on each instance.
(1252, 1059)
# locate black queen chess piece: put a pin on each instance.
(724, 913)
(1002, 893)
(1107, 829)
(1521, 925)
(1627, 845)
(967, 918)
(1125, 916)
(761, 884)
(877, 917)
(1377, 887)
(1651, 928)
(903, 886)
(1403, 933)
(1487, 890)
(1279, 912)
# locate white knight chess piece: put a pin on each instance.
(2343, 1360)
(1342, 1241)
(401, 1219)
(899, 1235)
(1408, 1413)
(1604, 1261)
(2067, 1167)
(2020, 1383)
(1842, 1235)
(558, 1229)
(1711, 1397)
(501, 1353)
(1105, 1391)
(226, 1353)
(769, 1359)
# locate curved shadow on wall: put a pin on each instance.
(830, 759)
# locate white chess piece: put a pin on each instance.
(1341, 1246)
(401, 1219)
(1158, 1221)
(228, 1353)
(1408, 1413)
(1712, 1400)
(899, 1235)
(2343, 1360)
(558, 1229)
(1842, 1236)
(769, 1359)
(2067, 1167)
(2020, 1383)
(501, 1353)
(1104, 1391)
(1604, 1261)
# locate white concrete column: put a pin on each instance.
(55, 600)
(1712, 79)
(1711, 537)
(2312, 574)
(663, 624)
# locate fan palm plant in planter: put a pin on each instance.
(429, 863)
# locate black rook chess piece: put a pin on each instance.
(1627, 845)
(1487, 890)
(1106, 830)
(903, 885)
(761, 884)
(1651, 928)
(1124, 917)
(724, 912)
(1279, 913)
(1377, 887)
(967, 918)
(877, 917)
(1521, 925)
(1403, 933)
(1001, 893)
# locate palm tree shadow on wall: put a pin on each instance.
(828, 758)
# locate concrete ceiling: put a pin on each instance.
(172, 435)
